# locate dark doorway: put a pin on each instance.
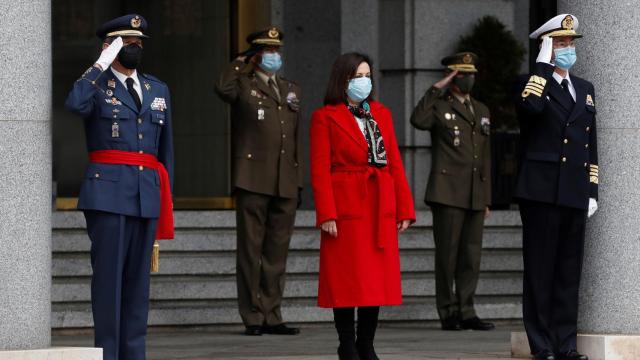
(188, 48)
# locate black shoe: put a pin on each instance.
(544, 355)
(572, 355)
(476, 324)
(348, 351)
(451, 323)
(366, 350)
(253, 330)
(281, 329)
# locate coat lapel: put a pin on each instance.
(147, 94)
(581, 99)
(347, 122)
(265, 88)
(557, 92)
(121, 93)
(461, 109)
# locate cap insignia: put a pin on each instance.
(136, 22)
(567, 23)
(273, 33)
(467, 59)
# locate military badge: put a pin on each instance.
(260, 114)
(293, 101)
(467, 59)
(485, 125)
(567, 23)
(136, 22)
(115, 130)
(158, 104)
(113, 101)
(109, 92)
(111, 83)
(147, 86)
(447, 116)
(590, 100)
(273, 33)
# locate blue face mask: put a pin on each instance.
(359, 88)
(271, 62)
(565, 57)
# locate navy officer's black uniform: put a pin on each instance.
(121, 203)
(558, 176)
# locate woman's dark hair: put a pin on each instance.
(343, 70)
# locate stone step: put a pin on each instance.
(168, 313)
(76, 240)
(297, 286)
(306, 262)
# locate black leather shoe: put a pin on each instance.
(348, 351)
(544, 355)
(451, 323)
(572, 355)
(476, 324)
(253, 330)
(281, 329)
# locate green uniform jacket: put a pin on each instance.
(461, 151)
(265, 132)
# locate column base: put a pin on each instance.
(597, 347)
(53, 353)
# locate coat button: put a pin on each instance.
(284, 136)
(444, 171)
(282, 151)
(249, 156)
(161, 122)
(140, 152)
(566, 141)
(295, 165)
(475, 169)
(236, 68)
(140, 167)
(473, 133)
(140, 136)
(139, 121)
(564, 159)
(588, 128)
(586, 146)
(97, 175)
(282, 122)
(279, 107)
(585, 164)
(259, 102)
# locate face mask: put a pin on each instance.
(565, 57)
(130, 56)
(359, 88)
(464, 83)
(271, 62)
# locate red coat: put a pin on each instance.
(361, 267)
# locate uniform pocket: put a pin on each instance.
(158, 120)
(103, 172)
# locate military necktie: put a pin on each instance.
(134, 93)
(565, 86)
(274, 87)
(467, 104)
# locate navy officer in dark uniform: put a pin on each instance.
(557, 188)
(126, 193)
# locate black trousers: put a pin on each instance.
(553, 244)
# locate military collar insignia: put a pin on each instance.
(590, 100)
(147, 86)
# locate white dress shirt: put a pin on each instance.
(559, 79)
(123, 79)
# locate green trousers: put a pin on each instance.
(457, 235)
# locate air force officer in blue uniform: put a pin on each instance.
(127, 119)
(557, 188)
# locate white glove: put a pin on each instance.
(593, 206)
(546, 49)
(109, 54)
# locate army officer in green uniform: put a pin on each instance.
(459, 188)
(266, 175)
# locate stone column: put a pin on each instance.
(25, 174)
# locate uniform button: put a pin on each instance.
(249, 156)
(588, 128)
(585, 164)
(455, 128)
(140, 167)
(566, 141)
(295, 165)
(259, 102)
(161, 122)
(282, 151)
(475, 156)
(97, 175)
(282, 122)
(279, 107)
(564, 159)
(140, 136)
(473, 133)
(139, 121)
(586, 146)
(140, 152)
(237, 68)
(475, 169)
(284, 136)
(444, 171)
(115, 116)
(568, 124)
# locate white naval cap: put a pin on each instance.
(561, 25)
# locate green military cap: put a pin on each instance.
(464, 62)
(271, 36)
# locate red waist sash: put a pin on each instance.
(165, 228)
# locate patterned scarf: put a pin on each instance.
(377, 151)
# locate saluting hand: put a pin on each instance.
(331, 227)
(403, 225)
(446, 81)
(546, 50)
(109, 54)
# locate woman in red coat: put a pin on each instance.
(362, 202)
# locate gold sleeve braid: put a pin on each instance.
(535, 86)
(593, 174)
